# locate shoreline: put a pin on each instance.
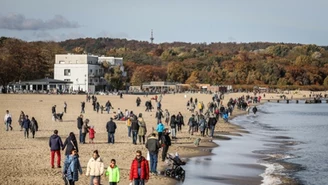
(222, 132)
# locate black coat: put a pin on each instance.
(79, 122)
(70, 144)
(111, 127)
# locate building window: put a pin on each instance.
(96, 80)
(67, 72)
(67, 80)
(90, 80)
(90, 70)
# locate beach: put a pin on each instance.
(27, 161)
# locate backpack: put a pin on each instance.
(9, 120)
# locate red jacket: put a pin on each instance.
(144, 169)
(91, 133)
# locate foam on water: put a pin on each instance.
(269, 175)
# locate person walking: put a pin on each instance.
(128, 124)
(34, 126)
(160, 128)
(111, 127)
(72, 168)
(82, 107)
(167, 117)
(159, 115)
(212, 122)
(139, 171)
(202, 125)
(142, 129)
(55, 144)
(53, 111)
(21, 119)
(70, 144)
(113, 173)
(166, 143)
(26, 126)
(92, 133)
(65, 107)
(173, 125)
(134, 128)
(95, 167)
(153, 147)
(8, 120)
(85, 130)
(79, 126)
(180, 121)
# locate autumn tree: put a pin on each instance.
(176, 72)
(193, 79)
(114, 77)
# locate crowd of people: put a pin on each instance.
(202, 122)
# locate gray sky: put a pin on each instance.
(295, 21)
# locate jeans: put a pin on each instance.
(129, 131)
(173, 130)
(26, 132)
(134, 136)
(33, 133)
(111, 137)
(112, 183)
(108, 109)
(8, 125)
(179, 127)
(191, 130)
(160, 136)
(139, 182)
(53, 157)
(143, 139)
(92, 177)
(212, 130)
(81, 137)
(153, 162)
(164, 152)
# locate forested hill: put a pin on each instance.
(259, 63)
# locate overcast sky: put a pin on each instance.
(292, 21)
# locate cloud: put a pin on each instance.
(19, 22)
(46, 36)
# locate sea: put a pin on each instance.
(286, 144)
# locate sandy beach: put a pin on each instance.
(27, 161)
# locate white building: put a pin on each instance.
(113, 61)
(85, 71)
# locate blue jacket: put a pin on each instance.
(26, 123)
(55, 143)
(160, 127)
(72, 167)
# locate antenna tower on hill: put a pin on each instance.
(151, 36)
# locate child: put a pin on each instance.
(102, 109)
(113, 173)
(91, 134)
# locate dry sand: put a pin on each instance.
(27, 161)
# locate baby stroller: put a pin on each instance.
(175, 171)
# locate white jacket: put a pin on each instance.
(95, 167)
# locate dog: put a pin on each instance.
(59, 116)
(197, 141)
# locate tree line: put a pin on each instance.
(276, 65)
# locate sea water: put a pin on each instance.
(287, 140)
